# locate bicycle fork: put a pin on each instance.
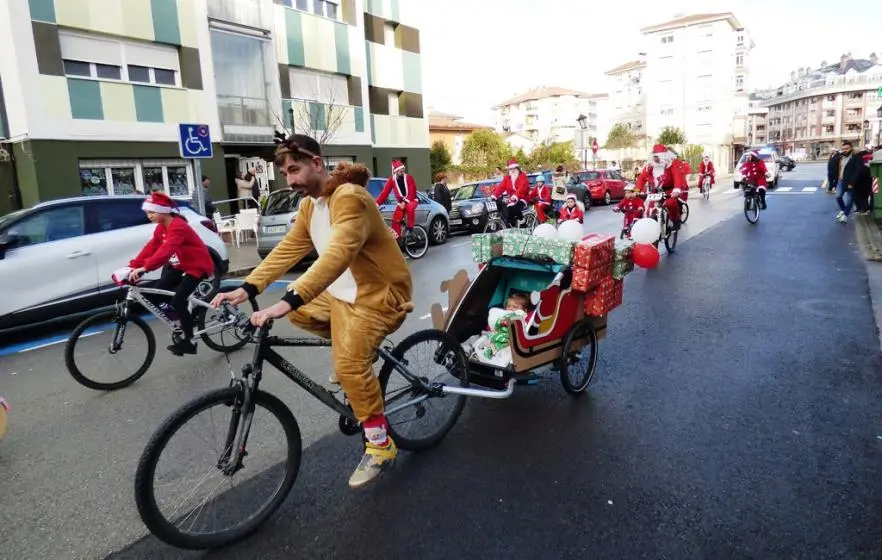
(234, 450)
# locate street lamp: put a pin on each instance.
(583, 125)
(879, 127)
(865, 137)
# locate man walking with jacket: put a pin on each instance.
(850, 165)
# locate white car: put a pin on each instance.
(773, 170)
(57, 257)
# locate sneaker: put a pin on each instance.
(839, 215)
(842, 218)
(375, 461)
(332, 379)
(182, 347)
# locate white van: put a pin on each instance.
(770, 158)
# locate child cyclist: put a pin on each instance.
(570, 210)
(184, 259)
(631, 207)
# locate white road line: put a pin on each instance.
(784, 189)
(427, 315)
(469, 242)
(773, 193)
(809, 189)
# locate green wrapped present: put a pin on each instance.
(537, 247)
(622, 268)
(561, 251)
(514, 242)
(624, 247)
(483, 246)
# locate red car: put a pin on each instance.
(604, 184)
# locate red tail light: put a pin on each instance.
(209, 224)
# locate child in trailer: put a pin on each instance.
(492, 346)
(570, 210)
(631, 207)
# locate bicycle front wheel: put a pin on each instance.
(434, 357)
(494, 225)
(216, 336)
(239, 502)
(106, 353)
(671, 236)
(751, 209)
(416, 243)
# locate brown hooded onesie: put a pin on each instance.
(357, 292)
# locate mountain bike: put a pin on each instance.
(751, 203)
(659, 213)
(118, 322)
(238, 447)
(498, 222)
(705, 186)
(414, 242)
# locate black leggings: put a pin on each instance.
(514, 212)
(183, 285)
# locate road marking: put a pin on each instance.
(463, 243)
(774, 193)
(427, 315)
(810, 189)
(784, 189)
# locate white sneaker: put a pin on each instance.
(842, 218)
(333, 379)
(839, 215)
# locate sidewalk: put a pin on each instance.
(869, 240)
(243, 259)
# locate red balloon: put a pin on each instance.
(645, 255)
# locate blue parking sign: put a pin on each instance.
(194, 141)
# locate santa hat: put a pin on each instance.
(659, 149)
(513, 163)
(397, 166)
(160, 203)
(571, 195)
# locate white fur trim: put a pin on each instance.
(397, 169)
(150, 207)
(571, 195)
(514, 166)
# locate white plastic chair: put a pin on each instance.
(226, 225)
(246, 220)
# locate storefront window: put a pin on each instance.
(153, 179)
(93, 181)
(123, 179)
(178, 184)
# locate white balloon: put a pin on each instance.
(645, 230)
(547, 231)
(570, 230)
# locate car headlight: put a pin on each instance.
(471, 209)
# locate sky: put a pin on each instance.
(477, 53)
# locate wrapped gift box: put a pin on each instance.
(624, 248)
(586, 279)
(514, 242)
(557, 250)
(604, 298)
(594, 250)
(485, 246)
(620, 269)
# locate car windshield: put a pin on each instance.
(465, 192)
(281, 202)
(763, 155)
(10, 217)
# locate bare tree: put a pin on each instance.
(320, 120)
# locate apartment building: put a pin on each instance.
(451, 131)
(819, 108)
(551, 114)
(697, 78)
(627, 97)
(95, 90)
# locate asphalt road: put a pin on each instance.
(734, 415)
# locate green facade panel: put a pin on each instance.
(85, 99)
(294, 37)
(394, 11)
(148, 104)
(412, 72)
(359, 119)
(317, 116)
(166, 27)
(341, 45)
(42, 10)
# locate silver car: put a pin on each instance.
(276, 219)
(430, 214)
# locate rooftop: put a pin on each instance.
(626, 67)
(440, 121)
(544, 92)
(694, 19)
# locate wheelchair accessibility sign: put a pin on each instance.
(194, 141)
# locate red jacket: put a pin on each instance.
(709, 168)
(542, 194)
(673, 177)
(520, 189)
(754, 172)
(178, 240)
(574, 213)
(631, 206)
(409, 193)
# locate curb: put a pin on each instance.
(869, 238)
(241, 271)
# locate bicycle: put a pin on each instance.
(626, 227)
(705, 186)
(751, 203)
(659, 213)
(684, 210)
(123, 316)
(414, 242)
(497, 222)
(241, 399)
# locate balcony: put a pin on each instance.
(243, 12)
(245, 119)
(821, 87)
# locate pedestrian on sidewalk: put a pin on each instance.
(441, 194)
(849, 168)
(833, 171)
(863, 185)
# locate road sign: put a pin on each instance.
(594, 146)
(194, 141)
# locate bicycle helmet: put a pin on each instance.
(540, 178)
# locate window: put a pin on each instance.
(741, 39)
(240, 74)
(117, 214)
(174, 177)
(667, 39)
(739, 60)
(706, 31)
(667, 111)
(324, 8)
(332, 161)
(389, 34)
(739, 83)
(109, 59)
(322, 87)
(704, 108)
(394, 104)
(54, 224)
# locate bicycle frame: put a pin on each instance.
(137, 294)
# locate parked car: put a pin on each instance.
(471, 206)
(574, 186)
(275, 220)
(57, 257)
(430, 214)
(603, 184)
(786, 162)
(770, 157)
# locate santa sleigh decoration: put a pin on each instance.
(557, 332)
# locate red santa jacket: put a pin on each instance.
(408, 193)
(706, 168)
(520, 189)
(754, 172)
(541, 194)
(630, 206)
(574, 213)
(673, 176)
(178, 240)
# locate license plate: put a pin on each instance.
(656, 196)
(455, 222)
(275, 229)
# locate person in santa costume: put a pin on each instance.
(631, 207)
(706, 168)
(570, 210)
(541, 197)
(661, 174)
(754, 171)
(181, 254)
(517, 187)
(405, 193)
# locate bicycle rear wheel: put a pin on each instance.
(706, 192)
(751, 208)
(435, 357)
(416, 243)
(529, 221)
(89, 350)
(493, 225)
(178, 528)
(671, 236)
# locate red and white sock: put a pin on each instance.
(375, 430)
